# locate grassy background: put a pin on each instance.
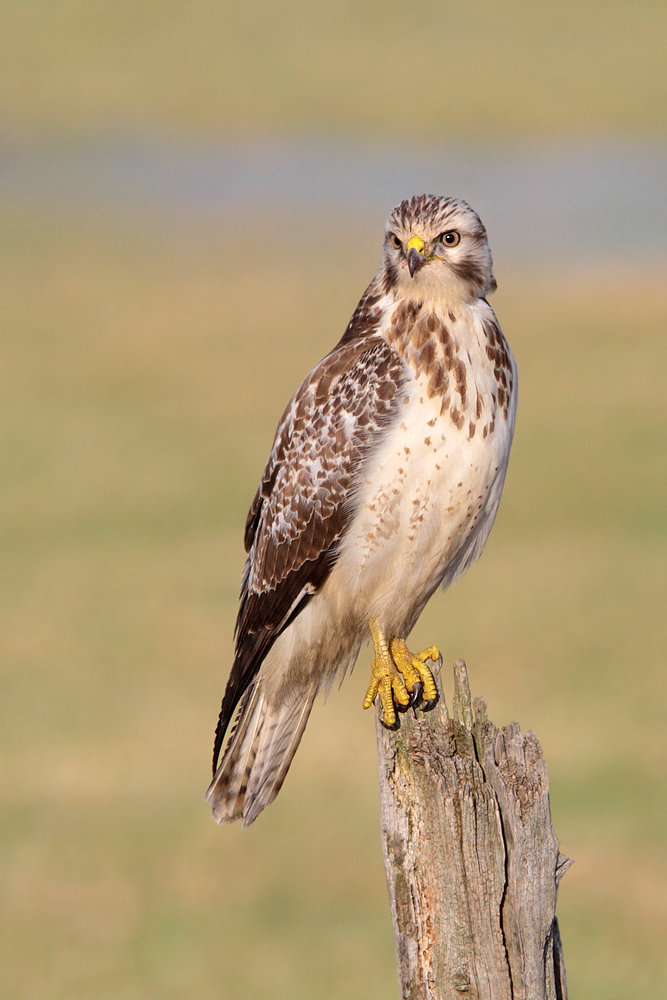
(142, 377)
(389, 68)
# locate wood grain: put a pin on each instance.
(471, 857)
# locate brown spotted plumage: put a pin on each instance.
(301, 507)
(382, 484)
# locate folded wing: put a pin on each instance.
(307, 497)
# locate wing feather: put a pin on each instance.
(303, 503)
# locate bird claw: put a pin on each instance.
(387, 683)
(428, 704)
(416, 695)
(395, 725)
(402, 680)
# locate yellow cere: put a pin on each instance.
(416, 243)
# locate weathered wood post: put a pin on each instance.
(471, 857)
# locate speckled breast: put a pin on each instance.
(431, 492)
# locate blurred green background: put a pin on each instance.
(146, 357)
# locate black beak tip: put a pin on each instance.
(415, 261)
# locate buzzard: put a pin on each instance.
(382, 484)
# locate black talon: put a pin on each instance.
(393, 728)
(430, 704)
(416, 695)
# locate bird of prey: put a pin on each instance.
(382, 484)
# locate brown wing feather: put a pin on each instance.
(304, 501)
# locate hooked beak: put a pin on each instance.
(416, 259)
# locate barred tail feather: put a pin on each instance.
(227, 790)
(258, 755)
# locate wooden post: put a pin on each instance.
(472, 861)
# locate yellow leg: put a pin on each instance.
(385, 679)
(399, 688)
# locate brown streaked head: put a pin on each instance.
(436, 247)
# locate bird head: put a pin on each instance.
(436, 247)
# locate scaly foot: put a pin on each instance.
(418, 677)
(399, 690)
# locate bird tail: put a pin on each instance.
(258, 755)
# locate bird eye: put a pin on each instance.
(395, 242)
(451, 238)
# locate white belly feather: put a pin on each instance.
(425, 511)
